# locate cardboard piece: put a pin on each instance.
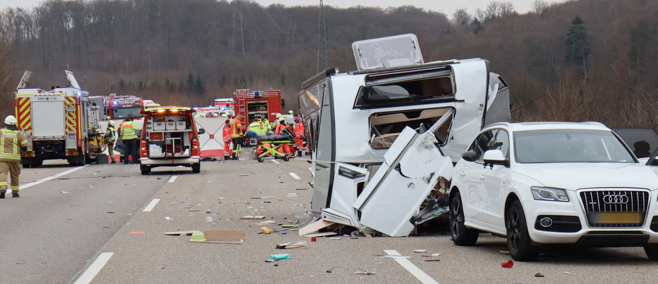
(179, 233)
(314, 227)
(224, 235)
(321, 234)
(252, 217)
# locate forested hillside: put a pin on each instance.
(583, 60)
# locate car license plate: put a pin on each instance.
(619, 218)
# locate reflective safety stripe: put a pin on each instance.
(15, 187)
(3, 183)
(128, 131)
(10, 156)
(13, 153)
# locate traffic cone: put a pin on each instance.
(198, 236)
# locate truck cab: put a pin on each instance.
(169, 138)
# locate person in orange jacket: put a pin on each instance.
(299, 133)
(284, 129)
(236, 135)
(226, 135)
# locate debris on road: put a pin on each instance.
(314, 227)
(420, 250)
(65, 192)
(300, 188)
(264, 223)
(265, 230)
(252, 217)
(292, 194)
(221, 198)
(432, 260)
(321, 234)
(364, 273)
(209, 219)
(539, 275)
(507, 264)
(263, 197)
(137, 233)
(280, 256)
(291, 245)
(504, 252)
(235, 237)
(168, 218)
(568, 273)
(431, 255)
(208, 210)
(180, 233)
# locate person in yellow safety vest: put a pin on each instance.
(266, 122)
(12, 142)
(257, 127)
(110, 137)
(236, 135)
(128, 133)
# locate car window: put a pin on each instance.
(481, 144)
(501, 142)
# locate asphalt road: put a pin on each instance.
(54, 237)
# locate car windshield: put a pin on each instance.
(128, 112)
(570, 146)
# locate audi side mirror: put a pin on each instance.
(495, 157)
(469, 156)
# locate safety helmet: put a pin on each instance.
(290, 112)
(278, 115)
(108, 117)
(10, 120)
(111, 123)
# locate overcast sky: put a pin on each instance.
(445, 6)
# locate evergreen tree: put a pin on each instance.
(189, 84)
(578, 44)
(478, 26)
(199, 88)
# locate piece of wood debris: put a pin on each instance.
(364, 273)
(420, 250)
(431, 255)
(252, 217)
(264, 223)
(314, 227)
(194, 210)
(320, 234)
(179, 233)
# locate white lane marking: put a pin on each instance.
(413, 269)
(31, 184)
(151, 205)
(172, 179)
(275, 161)
(94, 268)
(294, 175)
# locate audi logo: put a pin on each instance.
(615, 199)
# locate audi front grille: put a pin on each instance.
(629, 206)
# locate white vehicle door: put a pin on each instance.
(412, 167)
(471, 177)
(495, 180)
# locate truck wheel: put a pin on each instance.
(518, 239)
(652, 251)
(196, 168)
(145, 170)
(461, 235)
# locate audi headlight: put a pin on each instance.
(549, 194)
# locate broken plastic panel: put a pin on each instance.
(387, 52)
(412, 167)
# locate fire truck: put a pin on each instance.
(61, 123)
(124, 107)
(253, 104)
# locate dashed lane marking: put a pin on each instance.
(172, 179)
(294, 175)
(151, 205)
(94, 268)
(413, 269)
(31, 184)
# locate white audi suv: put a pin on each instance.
(554, 183)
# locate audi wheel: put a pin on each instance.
(461, 235)
(518, 239)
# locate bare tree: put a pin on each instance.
(540, 7)
(506, 10)
(461, 17)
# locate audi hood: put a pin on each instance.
(574, 176)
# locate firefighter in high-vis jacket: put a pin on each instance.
(12, 142)
(236, 135)
(110, 137)
(128, 132)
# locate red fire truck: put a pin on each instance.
(252, 104)
(124, 107)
